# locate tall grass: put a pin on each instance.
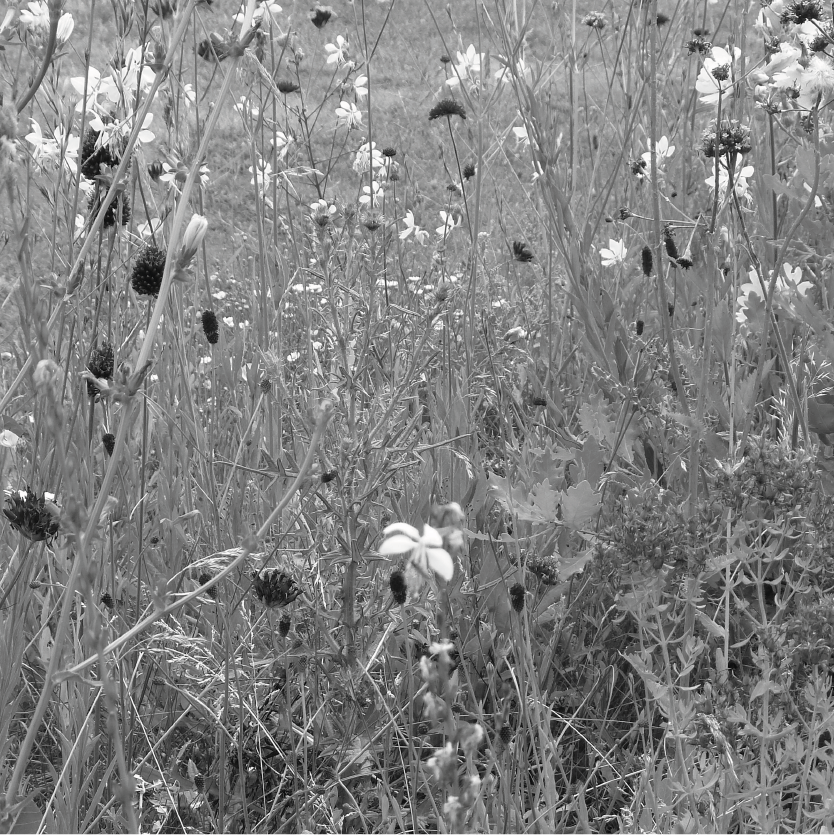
(403, 444)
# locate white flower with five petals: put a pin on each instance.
(426, 549)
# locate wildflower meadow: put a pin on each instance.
(416, 416)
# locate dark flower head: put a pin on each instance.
(822, 41)
(107, 600)
(801, 11)
(595, 20)
(638, 327)
(448, 108)
(266, 385)
(648, 261)
(624, 213)
(468, 171)
(700, 32)
(685, 262)
(699, 45)
(399, 589)
(733, 139)
(662, 19)
(320, 15)
(100, 365)
(445, 59)
(200, 782)
(202, 580)
(538, 400)
(274, 588)
(108, 441)
(517, 594)
(33, 516)
(146, 278)
(506, 734)
(210, 327)
(638, 167)
(721, 72)
(284, 625)
(92, 157)
(327, 477)
(389, 152)
(671, 310)
(669, 243)
(372, 219)
(522, 253)
(286, 86)
(112, 214)
(155, 170)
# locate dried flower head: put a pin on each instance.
(733, 139)
(155, 170)
(266, 385)
(638, 327)
(399, 587)
(107, 600)
(595, 20)
(662, 19)
(699, 45)
(112, 216)
(448, 108)
(211, 329)
(274, 588)
(468, 171)
(389, 152)
(801, 11)
(148, 269)
(624, 213)
(284, 625)
(286, 86)
(202, 580)
(108, 441)
(320, 15)
(100, 365)
(517, 595)
(327, 477)
(669, 243)
(33, 516)
(647, 260)
(522, 253)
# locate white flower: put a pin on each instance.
(427, 552)
(522, 70)
(663, 150)
(348, 114)
(707, 84)
(266, 6)
(815, 79)
(229, 321)
(366, 156)
(59, 146)
(371, 195)
(35, 22)
(467, 66)
(149, 228)
(8, 439)
(112, 133)
(741, 184)
(337, 53)
(322, 211)
(449, 221)
(360, 87)
(263, 176)
(295, 356)
(788, 285)
(411, 228)
(521, 137)
(616, 253)
(195, 232)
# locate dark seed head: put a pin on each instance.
(107, 600)
(108, 441)
(210, 327)
(100, 365)
(671, 310)
(522, 252)
(286, 86)
(146, 278)
(155, 170)
(328, 476)
(390, 153)
(506, 734)
(266, 385)
(638, 327)
(662, 19)
(274, 588)
(517, 594)
(447, 107)
(200, 782)
(648, 260)
(468, 171)
(284, 625)
(538, 400)
(399, 588)
(320, 15)
(669, 243)
(202, 580)
(28, 514)
(92, 158)
(685, 262)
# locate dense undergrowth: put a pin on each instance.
(417, 451)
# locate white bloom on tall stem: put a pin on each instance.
(615, 254)
(467, 67)
(816, 79)
(663, 150)
(411, 228)
(741, 181)
(371, 195)
(426, 549)
(55, 148)
(337, 53)
(717, 75)
(348, 114)
(449, 221)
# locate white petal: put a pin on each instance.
(431, 537)
(441, 563)
(397, 544)
(404, 528)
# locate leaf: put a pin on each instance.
(592, 459)
(539, 506)
(579, 504)
(576, 565)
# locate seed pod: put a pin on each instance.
(399, 588)
(284, 625)
(517, 595)
(648, 261)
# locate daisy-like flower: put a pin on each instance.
(427, 553)
(752, 295)
(368, 156)
(467, 67)
(348, 115)
(411, 228)
(741, 181)
(810, 81)
(717, 75)
(371, 195)
(615, 254)
(338, 52)
(449, 221)
(321, 212)
(663, 150)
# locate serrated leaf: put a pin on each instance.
(538, 506)
(579, 505)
